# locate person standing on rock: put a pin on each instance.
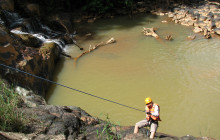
(152, 117)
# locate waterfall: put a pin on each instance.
(34, 27)
(12, 19)
(42, 37)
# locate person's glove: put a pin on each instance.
(148, 118)
(148, 113)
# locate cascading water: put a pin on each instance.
(42, 37)
(33, 26)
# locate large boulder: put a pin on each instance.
(33, 53)
(69, 121)
(197, 30)
(37, 61)
(8, 53)
(29, 40)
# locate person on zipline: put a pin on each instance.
(152, 117)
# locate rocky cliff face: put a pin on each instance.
(30, 46)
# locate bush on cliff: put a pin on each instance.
(109, 131)
(10, 118)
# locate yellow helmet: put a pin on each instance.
(148, 100)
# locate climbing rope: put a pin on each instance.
(71, 88)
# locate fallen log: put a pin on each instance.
(74, 42)
(169, 37)
(110, 41)
(150, 32)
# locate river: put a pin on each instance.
(182, 76)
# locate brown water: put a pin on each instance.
(182, 76)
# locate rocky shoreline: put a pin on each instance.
(32, 47)
(205, 18)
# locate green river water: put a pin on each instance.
(182, 76)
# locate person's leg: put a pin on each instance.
(135, 129)
(153, 130)
(139, 125)
(152, 135)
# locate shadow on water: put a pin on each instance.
(59, 67)
(117, 23)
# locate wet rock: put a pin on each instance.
(203, 17)
(216, 16)
(207, 33)
(135, 136)
(197, 30)
(61, 22)
(217, 24)
(22, 48)
(29, 40)
(4, 38)
(188, 137)
(48, 50)
(8, 53)
(217, 31)
(11, 19)
(170, 15)
(142, 10)
(127, 133)
(29, 60)
(201, 24)
(68, 38)
(29, 98)
(176, 9)
(213, 7)
(191, 37)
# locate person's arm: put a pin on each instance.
(148, 114)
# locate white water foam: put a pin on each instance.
(60, 43)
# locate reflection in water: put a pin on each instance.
(182, 76)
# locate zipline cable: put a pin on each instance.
(71, 88)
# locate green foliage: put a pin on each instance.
(107, 131)
(97, 6)
(128, 3)
(10, 118)
(103, 6)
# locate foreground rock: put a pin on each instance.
(69, 122)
